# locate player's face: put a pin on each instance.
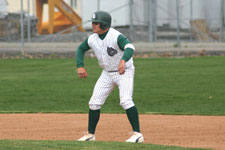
(96, 27)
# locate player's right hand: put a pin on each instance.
(82, 73)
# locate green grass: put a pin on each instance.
(162, 86)
(71, 145)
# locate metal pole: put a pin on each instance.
(28, 21)
(154, 19)
(21, 27)
(34, 7)
(221, 20)
(178, 27)
(98, 5)
(150, 18)
(131, 20)
(191, 18)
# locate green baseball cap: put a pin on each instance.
(104, 18)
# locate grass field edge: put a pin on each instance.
(91, 143)
(75, 112)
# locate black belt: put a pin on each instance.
(112, 71)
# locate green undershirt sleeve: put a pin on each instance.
(83, 47)
(128, 52)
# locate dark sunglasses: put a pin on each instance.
(96, 23)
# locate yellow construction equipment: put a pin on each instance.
(57, 21)
(202, 31)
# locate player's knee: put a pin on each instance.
(127, 104)
(94, 103)
(94, 107)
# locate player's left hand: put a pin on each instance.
(121, 68)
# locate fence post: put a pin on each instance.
(154, 19)
(28, 20)
(178, 26)
(150, 26)
(21, 27)
(34, 8)
(131, 20)
(221, 20)
(191, 18)
(98, 5)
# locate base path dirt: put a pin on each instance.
(185, 131)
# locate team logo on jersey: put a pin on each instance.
(111, 51)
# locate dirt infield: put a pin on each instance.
(185, 131)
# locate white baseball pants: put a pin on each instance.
(105, 85)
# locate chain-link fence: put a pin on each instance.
(150, 21)
(140, 20)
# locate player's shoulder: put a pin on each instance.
(92, 37)
(114, 31)
(113, 34)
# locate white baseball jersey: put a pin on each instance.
(107, 50)
(109, 55)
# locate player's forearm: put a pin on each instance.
(80, 53)
(80, 58)
(128, 53)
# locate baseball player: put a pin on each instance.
(114, 53)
